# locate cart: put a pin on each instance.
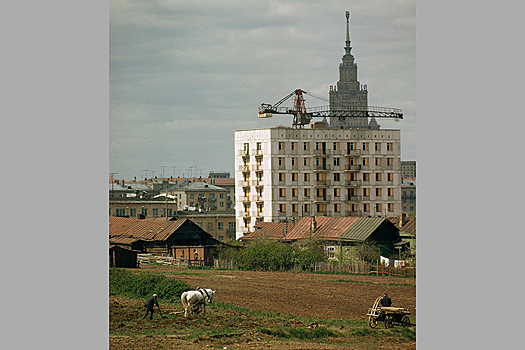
(389, 315)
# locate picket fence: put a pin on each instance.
(358, 267)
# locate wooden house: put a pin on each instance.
(122, 257)
(157, 237)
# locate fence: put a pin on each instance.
(383, 270)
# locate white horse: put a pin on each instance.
(194, 300)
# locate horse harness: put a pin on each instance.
(204, 294)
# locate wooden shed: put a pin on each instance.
(158, 237)
(122, 257)
(201, 255)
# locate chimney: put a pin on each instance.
(134, 179)
(402, 218)
(122, 182)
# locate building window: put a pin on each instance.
(390, 161)
(366, 192)
(220, 226)
(337, 207)
(295, 192)
(306, 177)
(231, 225)
(378, 176)
(366, 176)
(389, 146)
(378, 161)
(281, 161)
(191, 196)
(221, 204)
(390, 176)
(365, 161)
(306, 209)
(336, 161)
(281, 146)
(390, 206)
(366, 207)
(390, 192)
(282, 208)
(282, 192)
(378, 192)
(337, 192)
(378, 146)
(295, 176)
(121, 212)
(336, 146)
(307, 193)
(365, 146)
(133, 213)
(337, 177)
(378, 207)
(294, 161)
(351, 146)
(295, 208)
(307, 146)
(281, 176)
(294, 146)
(144, 211)
(306, 161)
(155, 212)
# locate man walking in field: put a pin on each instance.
(150, 303)
(386, 301)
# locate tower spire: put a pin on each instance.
(347, 42)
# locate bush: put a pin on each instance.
(274, 256)
(142, 285)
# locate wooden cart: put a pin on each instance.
(389, 315)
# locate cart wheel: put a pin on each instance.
(405, 321)
(389, 322)
(372, 322)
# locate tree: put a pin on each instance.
(367, 251)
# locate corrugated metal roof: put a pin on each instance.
(362, 229)
(327, 227)
(268, 230)
(409, 227)
(143, 228)
(123, 240)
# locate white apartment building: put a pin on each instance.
(286, 173)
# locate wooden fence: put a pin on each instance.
(382, 270)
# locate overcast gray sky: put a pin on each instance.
(184, 75)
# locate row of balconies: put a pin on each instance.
(321, 152)
(315, 198)
(324, 183)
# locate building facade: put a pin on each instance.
(408, 196)
(284, 173)
(408, 168)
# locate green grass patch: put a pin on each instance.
(142, 285)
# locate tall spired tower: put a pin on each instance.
(349, 93)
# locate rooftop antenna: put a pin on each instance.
(174, 173)
(163, 166)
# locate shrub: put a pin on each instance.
(142, 285)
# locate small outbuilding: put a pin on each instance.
(122, 257)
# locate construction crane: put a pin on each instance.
(302, 116)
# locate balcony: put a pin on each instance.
(244, 168)
(244, 153)
(354, 183)
(353, 168)
(322, 167)
(353, 152)
(244, 198)
(353, 198)
(243, 183)
(322, 152)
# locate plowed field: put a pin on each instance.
(328, 296)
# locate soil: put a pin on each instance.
(333, 296)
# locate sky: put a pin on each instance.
(184, 75)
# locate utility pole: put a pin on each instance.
(112, 182)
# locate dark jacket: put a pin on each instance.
(386, 301)
(151, 302)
